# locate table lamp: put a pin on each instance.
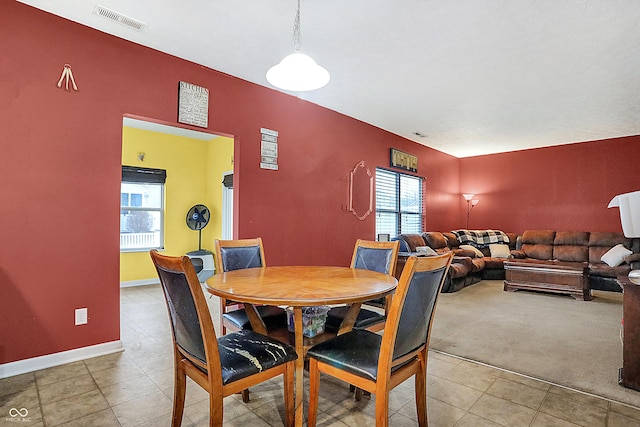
(629, 205)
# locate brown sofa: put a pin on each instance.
(467, 266)
(573, 250)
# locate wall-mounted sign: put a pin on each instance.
(268, 149)
(193, 105)
(402, 160)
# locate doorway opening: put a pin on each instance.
(196, 163)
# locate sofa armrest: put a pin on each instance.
(633, 260)
(518, 254)
(465, 261)
(464, 253)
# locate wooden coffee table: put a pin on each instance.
(558, 277)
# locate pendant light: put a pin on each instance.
(297, 72)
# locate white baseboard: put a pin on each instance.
(142, 282)
(47, 361)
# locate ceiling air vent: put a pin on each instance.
(118, 17)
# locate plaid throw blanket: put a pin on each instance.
(480, 238)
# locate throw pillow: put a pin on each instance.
(499, 250)
(615, 256)
(473, 249)
(426, 250)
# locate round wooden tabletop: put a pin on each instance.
(301, 285)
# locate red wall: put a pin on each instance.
(566, 187)
(60, 173)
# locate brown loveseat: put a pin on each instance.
(468, 266)
(541, 255)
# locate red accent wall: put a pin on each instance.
(566, 187)
(60, 173)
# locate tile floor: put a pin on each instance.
(135, 388)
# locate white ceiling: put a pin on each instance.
(475, 76)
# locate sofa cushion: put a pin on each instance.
(616, 255)
(571, 246)
(413, 240)
(538, 244)
(452, 239)
(499, 250)
(436, 240)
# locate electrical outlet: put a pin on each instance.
(81, 316)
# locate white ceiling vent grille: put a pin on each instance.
(118, 17)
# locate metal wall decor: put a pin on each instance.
(66, 76)
(361, 191)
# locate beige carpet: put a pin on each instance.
(550, 337)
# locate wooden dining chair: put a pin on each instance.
(375, 256)
(378, 363)
(222, 366)
(234, 255)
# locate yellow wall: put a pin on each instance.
(194, 175)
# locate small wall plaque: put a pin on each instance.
(402, 160)
(193, 105)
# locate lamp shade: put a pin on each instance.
(298, 72)
(629, 205)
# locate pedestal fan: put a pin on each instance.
(202, 259)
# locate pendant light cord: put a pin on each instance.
(296, 31)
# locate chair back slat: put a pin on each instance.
(239, 257)
(182, 312)
(417, 311)
(373, 259)
(375, 256)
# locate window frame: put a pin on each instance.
(144, 176)
(398, 211)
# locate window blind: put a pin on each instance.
(148, 175)
(398, 203)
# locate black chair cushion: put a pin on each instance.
(273, 317)
(365, 318)
(355, 352)
(245, 353)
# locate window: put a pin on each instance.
(141, 209)
(398, 203)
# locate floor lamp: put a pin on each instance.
(471, 202)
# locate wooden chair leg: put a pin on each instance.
(179, 392)
(382, 408)
(421, 392)
(314, 390)
(245, 395)
(215, 410)
(289, 410)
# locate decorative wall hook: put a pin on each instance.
(67, 75)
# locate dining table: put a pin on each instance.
(297, 287)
